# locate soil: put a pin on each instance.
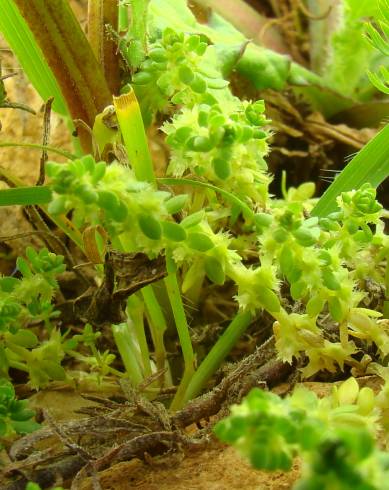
(217, 468)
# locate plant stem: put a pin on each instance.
(135, 312)
(216, 355)
(70, 57)
(137, 33)
(385, 312)
(158, 327)
(35, 146)
(246, 210)
(174, 294)
(100, 14)
(128, 351)
(123, 18)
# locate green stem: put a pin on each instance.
(65, 225)
(18, 365)
(137, 33)
(128, 351)
(158, 327)
(217, 354)
(100, 14)
(135, 314)
(386, 300)
(182, 327)
(246, 210)
(51, 149)
(123, 18)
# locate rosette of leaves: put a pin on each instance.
(24, 302)
(334, 436)
(179, 68)
(223, 143)
(15, 416)
(29, 298)
(132, 212)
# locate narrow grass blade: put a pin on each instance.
(25, 196)
(61, 221)
(34, 146)
(134, 136)
(371, 165)
(226, 342)
(20, 39)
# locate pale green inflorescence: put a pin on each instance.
(131, 211)
(322, 264)
(213, 135)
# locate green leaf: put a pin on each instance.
(173, 231)
(25, 196)
(150, 226)
(24, 338)
(134, 136)
(193, 219)
(214, 270)
(176, 203)
(52, 149)
(199, 241)
(371, 164)
(19, 37)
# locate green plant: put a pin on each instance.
(218, 144)
(15, 416)
(35, 486)
(221, 227)
(334, 436)
(379, 38)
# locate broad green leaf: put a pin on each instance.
(134, 136)
(263, 67)
(20, 39)
(25, 196)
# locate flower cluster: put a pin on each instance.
(175, 71)
(324, 264)
(132, 212)
(223, 143)
(213, 135)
